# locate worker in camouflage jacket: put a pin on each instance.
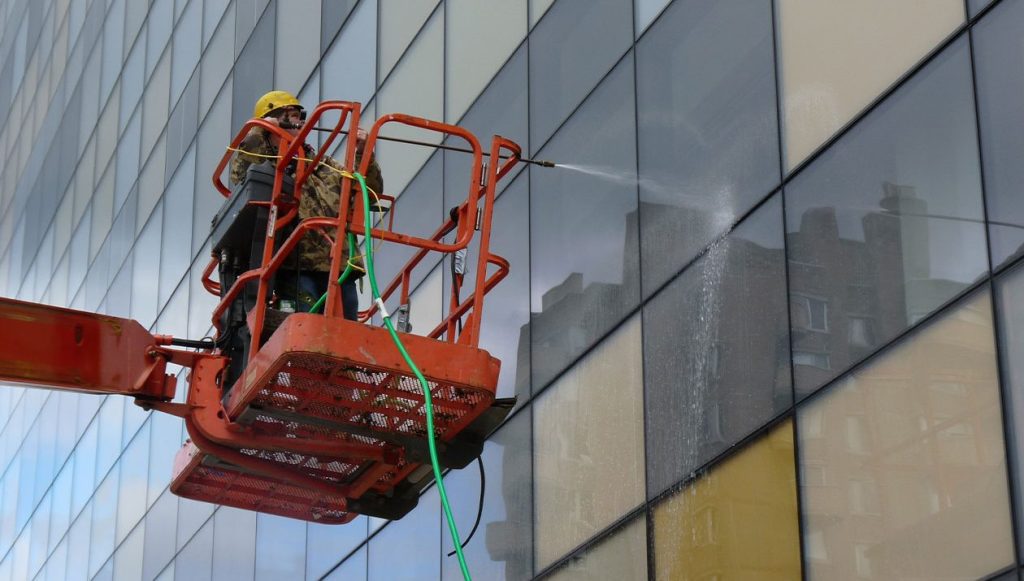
(303, 278)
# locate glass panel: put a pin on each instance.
(134, 468)
(415, 88)
(297, 49)
(252, 71)
(588, 444)
(61, 509)
(128, 558)
(113, 47)
(400, 21)
(999, 70)
(419, 535)
(194, 563)
(334, 14)
(166, 440)
(503, 544)
(127, 161)
(191, 516)
(181, 127)
(214, 135)
(886, 225)
(84, 479)
(213, 16)
(146, 271)
(622, 556)
(708, 141)
(234, 544)
(570, 51)
(355, 52)
(737, 521)
(109, 443)
(161, 19)
(156, 104)
(132, 79)
(160, 524)
(354, 568)
(78, 547)
(1009, 296)
(186, 48)
(716, 350)
(823, 89)
(176, 255)
(481, 36)
(645, 11)
(217, 62)
(578, 295)
(280, 547)
(910, 460)
(104, 509)
(324, 544)
(976, 6)
(151, 183)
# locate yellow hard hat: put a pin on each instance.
(273, 101)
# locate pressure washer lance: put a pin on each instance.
(539, 162)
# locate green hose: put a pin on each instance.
(427, 402)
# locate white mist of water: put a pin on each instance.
(715, 204)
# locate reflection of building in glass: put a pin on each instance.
(848, 295)
(908, 454)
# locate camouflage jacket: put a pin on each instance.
(321, 196)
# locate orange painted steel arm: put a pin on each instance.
(63, 349)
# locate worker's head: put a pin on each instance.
(280, 105)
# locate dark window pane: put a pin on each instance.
(503, 545)
(999, 68)
(280, 548)
(332, 16)
(419, 536)
(583, 229)
(885, 226)
(570, 50)
(254, 70)
(716, 350)
(500, 110)
(708, 137)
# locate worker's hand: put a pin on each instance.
(360, 136)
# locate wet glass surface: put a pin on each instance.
(716, 350)
(708, 136)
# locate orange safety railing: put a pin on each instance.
(350, 218)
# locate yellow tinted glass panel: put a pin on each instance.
(621, 557)
(903, 464)
(737, 522)
(836, 56)
(589, 446)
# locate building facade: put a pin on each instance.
(766, 321)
